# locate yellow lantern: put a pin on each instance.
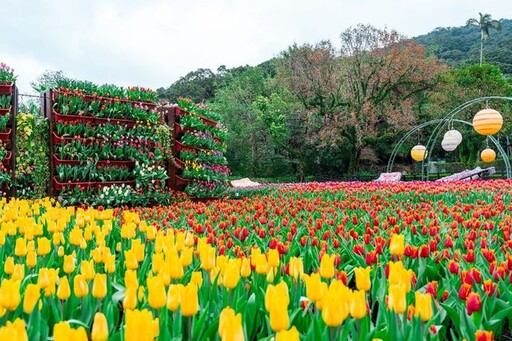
(419, 152)
(488, 155)
(487, 122)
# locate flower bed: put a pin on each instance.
(200, 149)
(314, 261)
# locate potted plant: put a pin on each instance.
(7, 78)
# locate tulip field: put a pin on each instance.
(332, 261)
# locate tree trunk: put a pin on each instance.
(300, 160)
(353, 164)
(481, 51)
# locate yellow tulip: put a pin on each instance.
(10, 295)
(130, 260)
(327, 266)
(130, 279)
(278, 314)
(396, 246)
(99, 286)
(232, 274)
(197, 278)
(396, 298)
(207, 257)
(186, 256)
(20, 250)
(358, 304)
(9, 265)
(110, 263)
(60, 251)
(296, 267)
(63, 291)
(87, 269)
(31, 259)
(273, 291)
(288, 335)
(261, 264)
(80, 287)
(130, 298)
(363, 281)
(174, 296)
(99, 330)
(31, 296)
(245, 269)
(18, 273)
(43, 246)
(273, 258)
(156, 292)
(189, 300)
(140, 326)
(335, 304)
(14, 331)
(69, 264)
(423, 306)
(230, 325)
(313, 287)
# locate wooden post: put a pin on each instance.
(14, 111)
(47, 109)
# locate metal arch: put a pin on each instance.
(432, 141)
(438, 121)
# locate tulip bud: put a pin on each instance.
(9, 265)
(174, 296)
(69, 264)
(397, 245)
(99, 328)
(232, 274)
(327, 266)
(423, 306)
(245, 270)
(197, 278)
(396, 298)
(189, 300)
(156, 292)
(273, 258)
(363, 281)
(10, 295)
(32, 294)
(31, 259)
(43, 246)
(130, 298)
(358, 304)
(80, 288)
(230, 325)
(99, 286)
(63, 291)
(87, 270)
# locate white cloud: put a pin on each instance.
(154, 42)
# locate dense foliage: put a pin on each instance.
(461, 45)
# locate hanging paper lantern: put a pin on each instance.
(419, 152)
(449, 143)
(487, 122)
(454, 134)
(488, 155)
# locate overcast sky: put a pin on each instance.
(154, 42)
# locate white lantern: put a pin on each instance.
(449, 143)
(455, 134)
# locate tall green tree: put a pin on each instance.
(485, 23)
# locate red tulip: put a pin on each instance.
(473, 303)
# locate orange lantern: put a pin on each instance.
(487, 122)
(488, 155)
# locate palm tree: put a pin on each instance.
(485, 23)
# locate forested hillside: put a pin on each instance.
(316, 109)
(461, 45)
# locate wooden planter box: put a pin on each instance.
(7, 161)
(6, 88)
(6, 136)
